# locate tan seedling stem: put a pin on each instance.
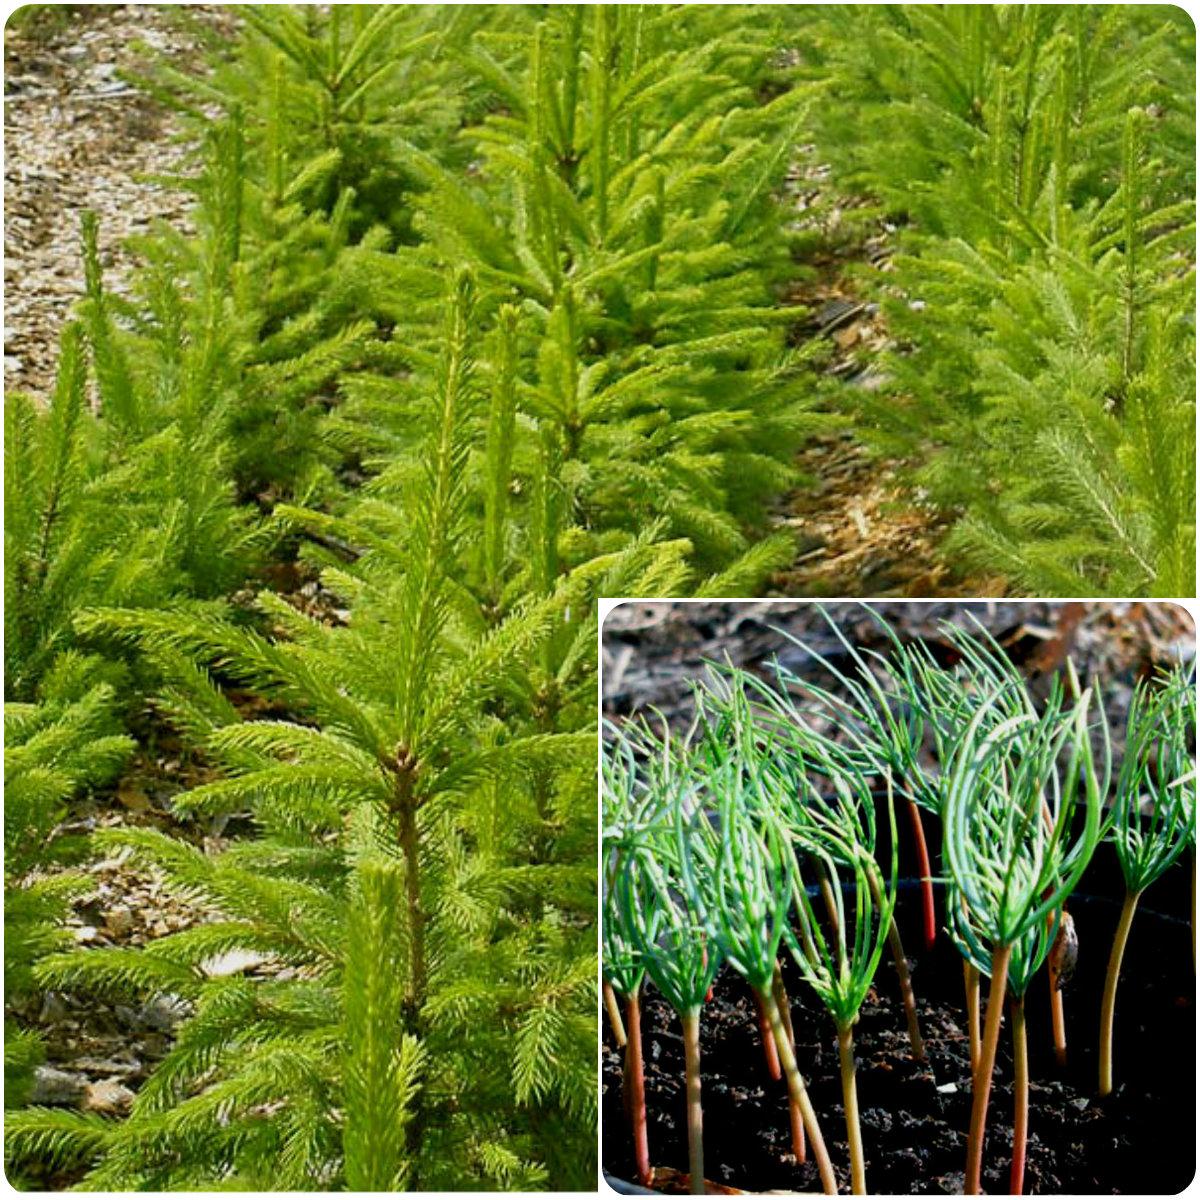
(613, 1009)
(983, 1072)
(971, 981)
(858, 1170)
(1016, 1179)
(799, 1094)
(695, 1113)
(1109, 1003)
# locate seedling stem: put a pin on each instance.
(902, 973)
(971, 980)
(983, 1071)
(929, 912)
(1016, 1179)
(799, 1094)
(635, 1079)
(796, 1117)
(1057, 1019)
(695, 1113)
(1109, 1003)
(768, 1041)
(858, 1172)
(614, 1013)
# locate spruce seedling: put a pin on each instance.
(1153, 814)
(1010, 808)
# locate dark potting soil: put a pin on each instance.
(1141, 1138)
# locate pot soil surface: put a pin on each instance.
(914, 1117)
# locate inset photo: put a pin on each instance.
(898, 897)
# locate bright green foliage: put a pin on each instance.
(49, 565)
(1041, 161)
(1154, 809)
(128, 501)
(53, 751)
(1011, 845)
(600, 404)
(326, 96)
(381, 1077)
(623, 202)
(419, 766)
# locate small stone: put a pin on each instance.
(118, 921)
(947, 1089)
(86, 933)
(232, 962)
(111, 1068)
(54, 1009)
(52, 1086)
(107, 1096)
(161, 1012)
(878, 1118)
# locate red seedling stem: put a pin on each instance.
(779, 992)
(858, 1170)
(929, 911)
(982, 1082)
(695, 1112)
(614, 1013)
(768, 1041)
(1016, 1179)
(799, 1094)
(971, 982)
(635, 1093)
(1109, 1003)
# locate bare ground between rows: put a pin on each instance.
(100, 1049)
(76, 137)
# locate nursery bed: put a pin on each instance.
(1140, 1139)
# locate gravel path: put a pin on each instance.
(76, 136)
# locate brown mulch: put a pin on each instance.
(862, 527)
(76, 137)
(650, 651)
